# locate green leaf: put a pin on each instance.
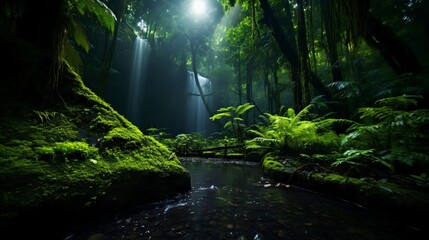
(243, 108)
(72, 58)
(80, 36)
(104, 15)
(227, 109)
(220, 116)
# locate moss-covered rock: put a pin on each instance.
(67, 163)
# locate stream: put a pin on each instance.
(232, 200)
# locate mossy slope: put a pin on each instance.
(64, 164)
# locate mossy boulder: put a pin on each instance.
(74, 159)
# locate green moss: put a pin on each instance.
(123, 138)
(100, 123)
(51, 160)
(272, 165)
(317, 177)
(63, 151)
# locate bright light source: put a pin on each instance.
(199, 8)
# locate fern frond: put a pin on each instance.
(283, 111)
(303, 113)
(403, 101)
(378, 113)
(256, 132)
(290, 113)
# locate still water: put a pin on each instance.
(232, 200)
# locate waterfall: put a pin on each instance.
(197, 117)
(138, 80)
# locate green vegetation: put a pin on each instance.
(234, 122)
(78, 161)
(330, 94)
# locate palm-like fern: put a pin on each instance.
(234, 121)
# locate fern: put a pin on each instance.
(345, 89)
(391, 127)
(403, 101)
(291, 133)
(364, 161)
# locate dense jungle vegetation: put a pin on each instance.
(342, 84)
(315, 86)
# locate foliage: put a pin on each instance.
(87, 8)
(104, 15)
(293, 135)
(421, 180)
(362, 162)
(395, 128)
(234, 121)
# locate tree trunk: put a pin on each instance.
(303, 55)
(298, 70)
(396, 53)
(276, 89)
(240, 93)
(268, 88)
(332, 39)
(287, 47)
(197, 82)
(249, 80)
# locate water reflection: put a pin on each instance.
(234, 201)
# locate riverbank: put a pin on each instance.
(403, 203)
(74, 158)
